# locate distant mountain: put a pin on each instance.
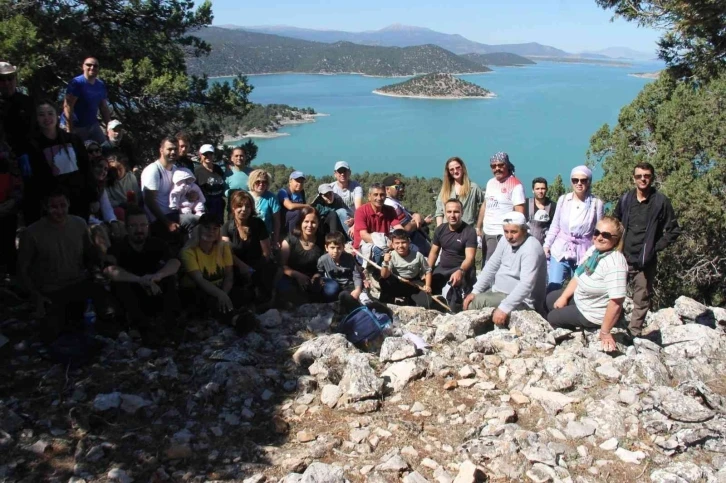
(501, 59)
(622, 53)
(398, 35)
(242, 52)
(438, 86)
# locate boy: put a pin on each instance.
(292, 200)
(409, 265)
(338, 270)
(327, 204)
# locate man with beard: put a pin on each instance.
(456, 241)
(413, 223)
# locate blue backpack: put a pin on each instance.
(364, 325)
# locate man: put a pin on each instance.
(515, 278)
(210, 179)
(650, 226)
(539, 210)
(373, 222)
(413, 223)
(86, 95)
(349, 191)
(456, 241)
(118, 142)
(504, 193)
(54, 256)
(17, 113)
(143, 275)
(184, 147)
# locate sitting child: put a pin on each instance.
(338, 270)
(327, 205)
(186, 196)
(409, 265)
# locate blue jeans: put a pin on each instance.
(344, 214)
(330, 289)
(557, 271)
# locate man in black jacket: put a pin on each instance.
(650, 226)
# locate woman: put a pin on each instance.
(458, 185)
(250, 243)
(570, 234)
(266, 204)
(57, 158)
(299, 256)
(93, 149)
(122, 187)
(599, 286)
(101, 211)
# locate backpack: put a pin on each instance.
(364, 325)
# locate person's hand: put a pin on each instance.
(224, 303)
(351, 232)
(153, 277)
(387, 257)
(193, 196)
(499, 317)
(152, 288)
(455, 279)
(607, 342)
(349, 222)
(172, 227)
(39, 302)
(427, 289)
(547, 253)
(416, 218)
(429, 219)
(561, 302)
(7, 207)
(478, 232)
(275, 245)
(467, 300)
(302, 279)
(356, 293)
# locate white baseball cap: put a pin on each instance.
(341, 164)
(6, 68)
(542, 216)
(114, 124)
(206, 148)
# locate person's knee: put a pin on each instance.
(331, 289)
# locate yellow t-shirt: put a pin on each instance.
(211, 265)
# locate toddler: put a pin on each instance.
(186, 196)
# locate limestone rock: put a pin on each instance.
(414, 477)
(577, 430)
(330, 395)
(394, 464)
(324, 345)
(633, 457)
(104, 402)
(680, 407)
(469, 473)
(399, 374)
(462, 326)
(322, 473)
(359, 379)
(691, 311)
(553, 402)
(131, 403)
(396, 349)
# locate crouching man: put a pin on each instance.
(515, 277)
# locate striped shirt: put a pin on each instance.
(607, 282)
(501, 198)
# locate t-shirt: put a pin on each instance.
(411, 267)
(118, 192)
(372, 221)
(211, 265)
(345, 272)
(211, 182)
(472, 203)
(152, 257)
(354, 190)
(236, 180)
(302, 260)
(89, 98)
(157, 178)
(501, 198)
(283, 195)
(402, 214)
(453, 244)
(608, 281)
(249, 250)
(266, 206)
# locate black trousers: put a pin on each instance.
(441, 277)
(392, 288)
(568, 317)
(65, 312)
(140, 306)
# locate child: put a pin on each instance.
(327, 205)
(266, 204)
(338, 270)
(186, 196)
(292, 200)
(409, 265)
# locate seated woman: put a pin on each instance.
(250, 242)
(299, 256)
(122, 186)
(101, 211)
(266, 204)
(599, 286)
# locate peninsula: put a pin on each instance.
(264, 121)
(435, 86)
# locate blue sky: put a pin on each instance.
(571, 25)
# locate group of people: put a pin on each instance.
(143, 244)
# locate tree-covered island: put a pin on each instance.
(436, 86)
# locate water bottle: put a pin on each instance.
(89, 316)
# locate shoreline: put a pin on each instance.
(645, 75)
(490, 95)
(344, 73)
(307, 119)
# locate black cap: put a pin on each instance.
(391, 181)
(210, 219)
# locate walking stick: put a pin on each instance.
(357, 252)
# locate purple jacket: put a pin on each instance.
(572, 246)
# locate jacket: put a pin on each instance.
(662, 229)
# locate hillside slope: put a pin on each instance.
(444, 86)
(501, 59)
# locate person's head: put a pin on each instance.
(206, 155)
(539, 188)
(515, 227)
(394, 187)
(93, 149)
(502, 168)
(335, 245)
(326, 193)
(455, 171)
(243, 206)
(643, 176)
(296, 181)
(182, 177)
(183, 143)
(119, 162)
(46, 115)
(307, 225)
(581, 178)
(56, 205)
(91, 68)
(238, 159)
(99, 168)
(453, 210)
(259, 181)
(377, 195)
(342, 172)
(401, 242)
(137, 225)
(8, 79)
(210, 226)
(114, 131)
(608, 234)
(167, 150)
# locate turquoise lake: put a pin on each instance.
(543, 117)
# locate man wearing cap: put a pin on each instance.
(539, 210)
(117, 142)
(349, 191)
(515, 277)
(413, 223)
(292, 200)
(210, 178)
(326, 204)
(86, 95)
(17, 112)
(504, 193)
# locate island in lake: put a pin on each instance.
(264, 121)
(646, 75)
(436, 86)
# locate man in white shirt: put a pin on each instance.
(350, 192)
(504, 194)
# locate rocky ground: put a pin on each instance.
(293, 402)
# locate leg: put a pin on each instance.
(642, 293)
(439, 279)
(489, 244)
(332, 224)
(330, 290)
(487, 299)
(129, 296)
(344, 214)
(418, 239)
(557, 270)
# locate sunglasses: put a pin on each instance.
(497, 165)
(605, 234)
(398, 187)
(342, 171)
(579, 180)
(95, 66)
(262, 182)
(642, 176)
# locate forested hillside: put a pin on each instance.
(435, 85)
(501, 59)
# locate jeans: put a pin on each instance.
(92, 132)
(557, 271)
(330, 289)
(344, 214)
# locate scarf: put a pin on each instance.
(589, 266)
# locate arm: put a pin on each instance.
(228, 281)
(205, 285)
(554, 227)
(301, 278)
(358, 197)
(150, 203)
(170, 268)
(266, 248)
(241, 266)
(439, 213)
(519, 208)
(365, 236)
(276, 227)
(433, 254)
(118, 274)
(105, 111)
(68, 104)
(527, 278)
(480, 220)
(566, 294)
(289, 205)
(671, 229)
(612, 315)
(386, 266)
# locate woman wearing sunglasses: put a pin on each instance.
(594, 297)
(570, 234)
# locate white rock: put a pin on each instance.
(469, 473)
(633, 457)
(610, 444)
(330, 395)
(414, 477)
(578, 430)
(270, 319)
(119, 475)
(553, 402)
(322, 473)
